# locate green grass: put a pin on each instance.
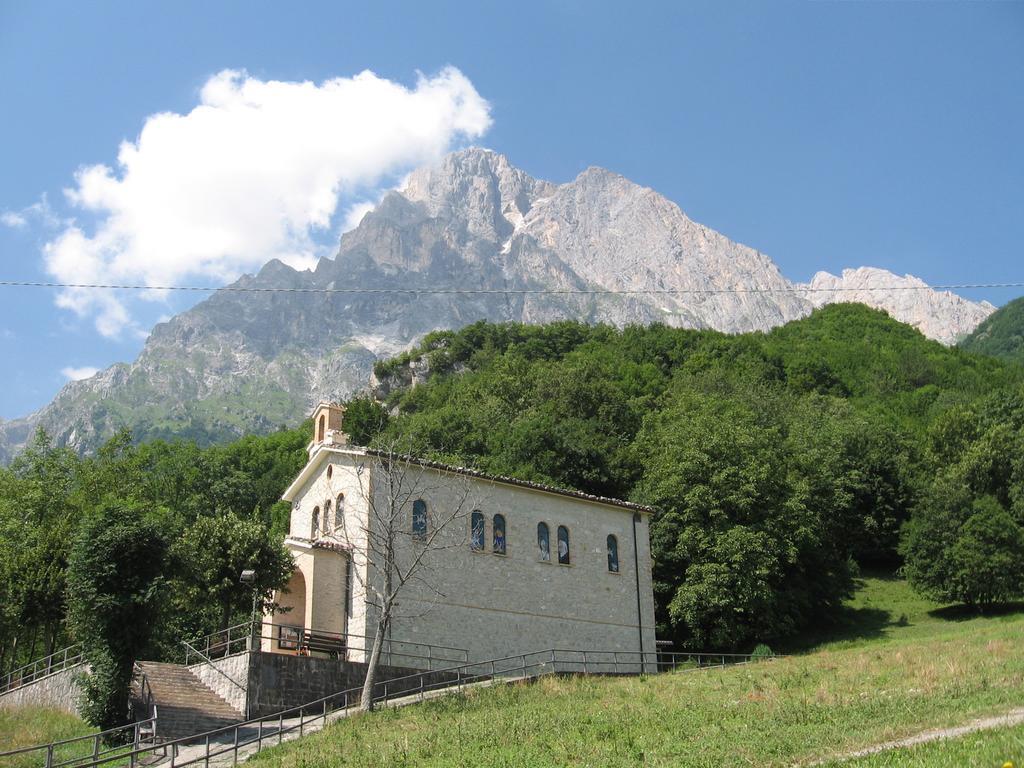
(993, 748)
(884, 609)
(29, 726)
(874, 677)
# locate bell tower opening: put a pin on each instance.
(327, 424)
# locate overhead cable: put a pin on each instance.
(505, 291)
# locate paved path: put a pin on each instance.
(1013, 717)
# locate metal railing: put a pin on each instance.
(145, 697)
(207, 661)
(394, 652)
(217, 644)
(96, 748)
(256, 734)
(57, 661)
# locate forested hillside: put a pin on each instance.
(780, 462)
(1001, 334)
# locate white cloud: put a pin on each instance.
(257, 170)
(39, 212)
(354, 214)
(77, 374)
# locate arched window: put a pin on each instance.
(325, 524)
(613, 554)
(544, 542)
(563, 545)
(339, 511)
(320, 428)
(498, 537)
(330, 471)
(419, 519)
(476, 531)
(316, 523)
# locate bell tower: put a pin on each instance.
(327, 420)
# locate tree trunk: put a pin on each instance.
(49, 641)
(32, 645)
(12, 660)
(366, 699)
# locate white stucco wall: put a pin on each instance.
(325, 571)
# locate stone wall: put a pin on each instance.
(236, 667)
(57, 691)
(492, 605)
(279, 681)
(497, 605)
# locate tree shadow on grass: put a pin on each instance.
(848, 625)
(969, 612)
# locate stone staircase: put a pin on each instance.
(185, 705)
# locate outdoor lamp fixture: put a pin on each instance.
(249, 577)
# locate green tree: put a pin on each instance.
(745, 547)
(964, 549)
(365, 419)
(208, 559)
(38, 513)
(114, 585)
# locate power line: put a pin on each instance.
(506, 291)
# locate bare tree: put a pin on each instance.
(396, 545)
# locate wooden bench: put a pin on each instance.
(332, 645)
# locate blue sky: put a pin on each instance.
(827, 135)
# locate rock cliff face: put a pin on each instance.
(241, 362)
(940, 315)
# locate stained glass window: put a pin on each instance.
(544, 542)
(316, 523)
(476, 532)
(419, 519)
(498, 545)
(613, 554)
(339, 511)
(563, 545)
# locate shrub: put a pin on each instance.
(761, 652)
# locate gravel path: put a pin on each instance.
(1013, 717)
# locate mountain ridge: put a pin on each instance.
(506, 246)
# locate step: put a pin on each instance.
(185, 705)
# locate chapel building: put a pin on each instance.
(504, 566)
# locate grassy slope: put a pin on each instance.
(875, 678)
(35, 725)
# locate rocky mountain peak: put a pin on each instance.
(479, 187)
(599, 248)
